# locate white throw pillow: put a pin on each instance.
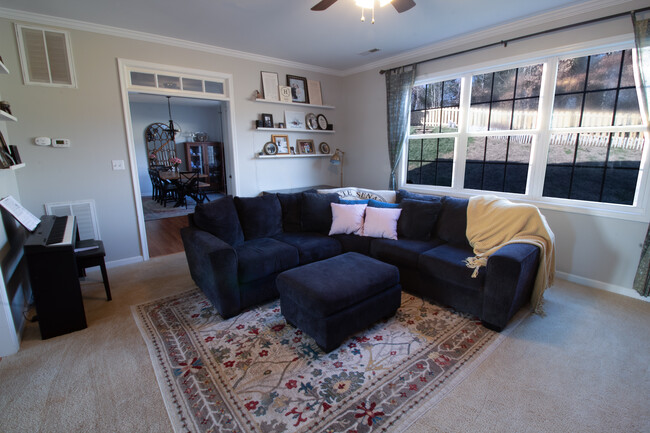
(347, 218)
(381, 222)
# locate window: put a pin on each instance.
(485, 131)
(45, 56)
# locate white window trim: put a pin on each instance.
(23, 57)
(639, 211)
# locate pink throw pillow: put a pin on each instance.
(381, 222)
(347, 218)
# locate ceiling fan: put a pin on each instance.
(399, 5)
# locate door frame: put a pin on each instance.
(227, 119)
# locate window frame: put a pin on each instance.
(638, 211)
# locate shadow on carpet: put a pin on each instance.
(254, 372)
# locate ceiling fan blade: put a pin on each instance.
(323, 4)
(403, 5)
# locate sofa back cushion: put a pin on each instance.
(260, 217)
(418, 219)
(316, 212)
(290, 204)
(403, 194)
(219, 217)
(452, 221)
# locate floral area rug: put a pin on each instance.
(256, 373)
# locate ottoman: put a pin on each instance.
(335, 298)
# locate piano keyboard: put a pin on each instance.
(61, 231)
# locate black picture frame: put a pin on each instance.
(267, 120)
(299, 92)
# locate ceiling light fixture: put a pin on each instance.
(370, 4)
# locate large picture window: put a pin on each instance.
(564, 128)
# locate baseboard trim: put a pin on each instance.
(124, 262)
(625, 291)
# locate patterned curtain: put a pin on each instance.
(641, 23)
(399, 82)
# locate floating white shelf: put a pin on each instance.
(3, 69)
(17, 166)
(315, 155)
(321, 131)
(296, 104)
(7, 116)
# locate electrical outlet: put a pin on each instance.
(118, 164)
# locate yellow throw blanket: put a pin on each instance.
(494, 222)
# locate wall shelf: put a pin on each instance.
(287, 130)
(3, 68)
(315, 155)
(296, 104)
(17, 166)
(7, 116)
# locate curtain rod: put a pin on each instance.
(518, 38)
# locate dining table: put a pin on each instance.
(184, 188)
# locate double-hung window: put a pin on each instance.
(564, 130)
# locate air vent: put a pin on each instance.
(45, 56)
(83, 210)
(371, 51)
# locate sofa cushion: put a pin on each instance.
(347, 218)
(381, 222)
(260, 217)
(452, 221)
(290, 204)
(354, 243)
(316, 212)
(418, 219)
(261, 257)
(402, 253)
(311, 246)
(403, 194)
(447, 263)
(377, 203)
(219, 217)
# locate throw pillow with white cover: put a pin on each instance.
(381, 222)
(353, 193)
(347, 218)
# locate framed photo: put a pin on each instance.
(267, 120)
(324, 148)
(285, 94)
(299, 91)
(313, 89)
(310, 120)
(282, 142)
(270, 148)
(270, 86)
(306, 146)
(294, 119)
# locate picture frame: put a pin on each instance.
(315, 95)
(294, 119)
(6, 160)
(282, 142)
(324, 148)
(306, 146)
(270, 86)
(299, 91)
(285, 94)
(267, 120)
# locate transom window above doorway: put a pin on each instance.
(140, 79)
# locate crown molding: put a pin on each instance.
(48, 20)
(487, 34)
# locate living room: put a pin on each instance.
(597, 251)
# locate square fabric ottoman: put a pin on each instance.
(335, 298)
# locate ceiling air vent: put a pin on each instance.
(371, 51)
(45, 56)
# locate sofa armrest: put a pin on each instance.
(509, 281)
(213, 267)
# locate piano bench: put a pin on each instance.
(91, 253)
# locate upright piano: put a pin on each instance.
(49, 251)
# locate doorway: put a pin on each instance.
(203, 117)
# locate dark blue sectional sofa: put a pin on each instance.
(236, 247)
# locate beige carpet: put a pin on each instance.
(583, 368)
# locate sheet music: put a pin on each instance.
(25, 217)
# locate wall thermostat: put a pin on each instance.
(42, 141)
(60, 142)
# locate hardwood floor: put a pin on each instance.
(163, 235)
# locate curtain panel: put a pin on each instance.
(641, 22)
(399, 82)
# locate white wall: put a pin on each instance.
(598, 251)
(92, 117)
